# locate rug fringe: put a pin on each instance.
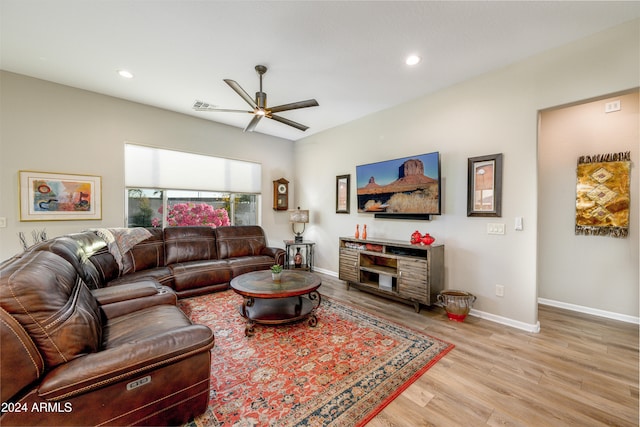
(608, 157)
(586, 230)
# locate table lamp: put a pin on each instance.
(298, 216)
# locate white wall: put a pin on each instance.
(494, 113)
(597, 275)
(53, 128)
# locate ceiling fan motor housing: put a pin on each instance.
(261, 100)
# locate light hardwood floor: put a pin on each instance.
(580, 370)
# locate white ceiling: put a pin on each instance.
(349, 55)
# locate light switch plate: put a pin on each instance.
(3, 222)
(519, 223)
(495, 228)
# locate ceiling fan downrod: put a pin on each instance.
(261, 97)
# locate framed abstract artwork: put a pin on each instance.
(484, 186)
(46, 196)
(342, 193)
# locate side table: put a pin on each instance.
(304, 249)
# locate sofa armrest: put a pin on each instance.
(276, 253)
(124, 292)
(129, 297)
(131, 360)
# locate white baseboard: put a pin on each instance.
(593, 311)
(327, 272)
(529, 327)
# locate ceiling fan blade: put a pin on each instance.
(288, 122)
(244, 95)
(203, 106)
(294, 106)
(253, 123)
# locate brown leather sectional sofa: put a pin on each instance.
(87, 341)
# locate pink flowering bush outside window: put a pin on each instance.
(192, 214)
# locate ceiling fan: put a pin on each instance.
(259, 105)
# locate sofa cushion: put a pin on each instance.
(71, 250)
(21, 362)
(199, 274)
(247, 264)
(60, 314)
(161, 275)
(97, 250)
(145, 255)
(240, 241)
(184, 244)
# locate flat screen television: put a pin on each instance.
(408, 187)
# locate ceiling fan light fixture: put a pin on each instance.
(261, 112)
(412, 60)
(125, 74)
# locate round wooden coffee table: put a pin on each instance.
(270, 303)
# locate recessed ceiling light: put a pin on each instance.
(125, 74)
(412, 60)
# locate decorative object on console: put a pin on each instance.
(46, 196)
(419, 239)
(280, 195)
(484, 186)
(364, 232)
(405, 188)
(343, 198)
(602, 195)
(298, 216)
(357, 234)
(457, 304)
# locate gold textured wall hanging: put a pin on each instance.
(602, 195)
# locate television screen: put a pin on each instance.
(406, 186)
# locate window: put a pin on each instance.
(146, 208)
(169, 188)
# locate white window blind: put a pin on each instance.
(150, 167)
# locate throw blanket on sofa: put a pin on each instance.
(121, 240)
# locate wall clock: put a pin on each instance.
(281, 194)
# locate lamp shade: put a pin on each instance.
(299, 216)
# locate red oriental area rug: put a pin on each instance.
(341, 372)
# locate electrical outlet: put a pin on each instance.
(612, 106)
(499, 290)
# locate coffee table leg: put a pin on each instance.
(315, 298)
(248, 329)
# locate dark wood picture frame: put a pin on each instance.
(484, 186)
(343, 190)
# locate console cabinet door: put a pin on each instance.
(413, 279)
(349, 269)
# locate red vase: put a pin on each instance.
(427, 240)
(364, 232)
(357, 235)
